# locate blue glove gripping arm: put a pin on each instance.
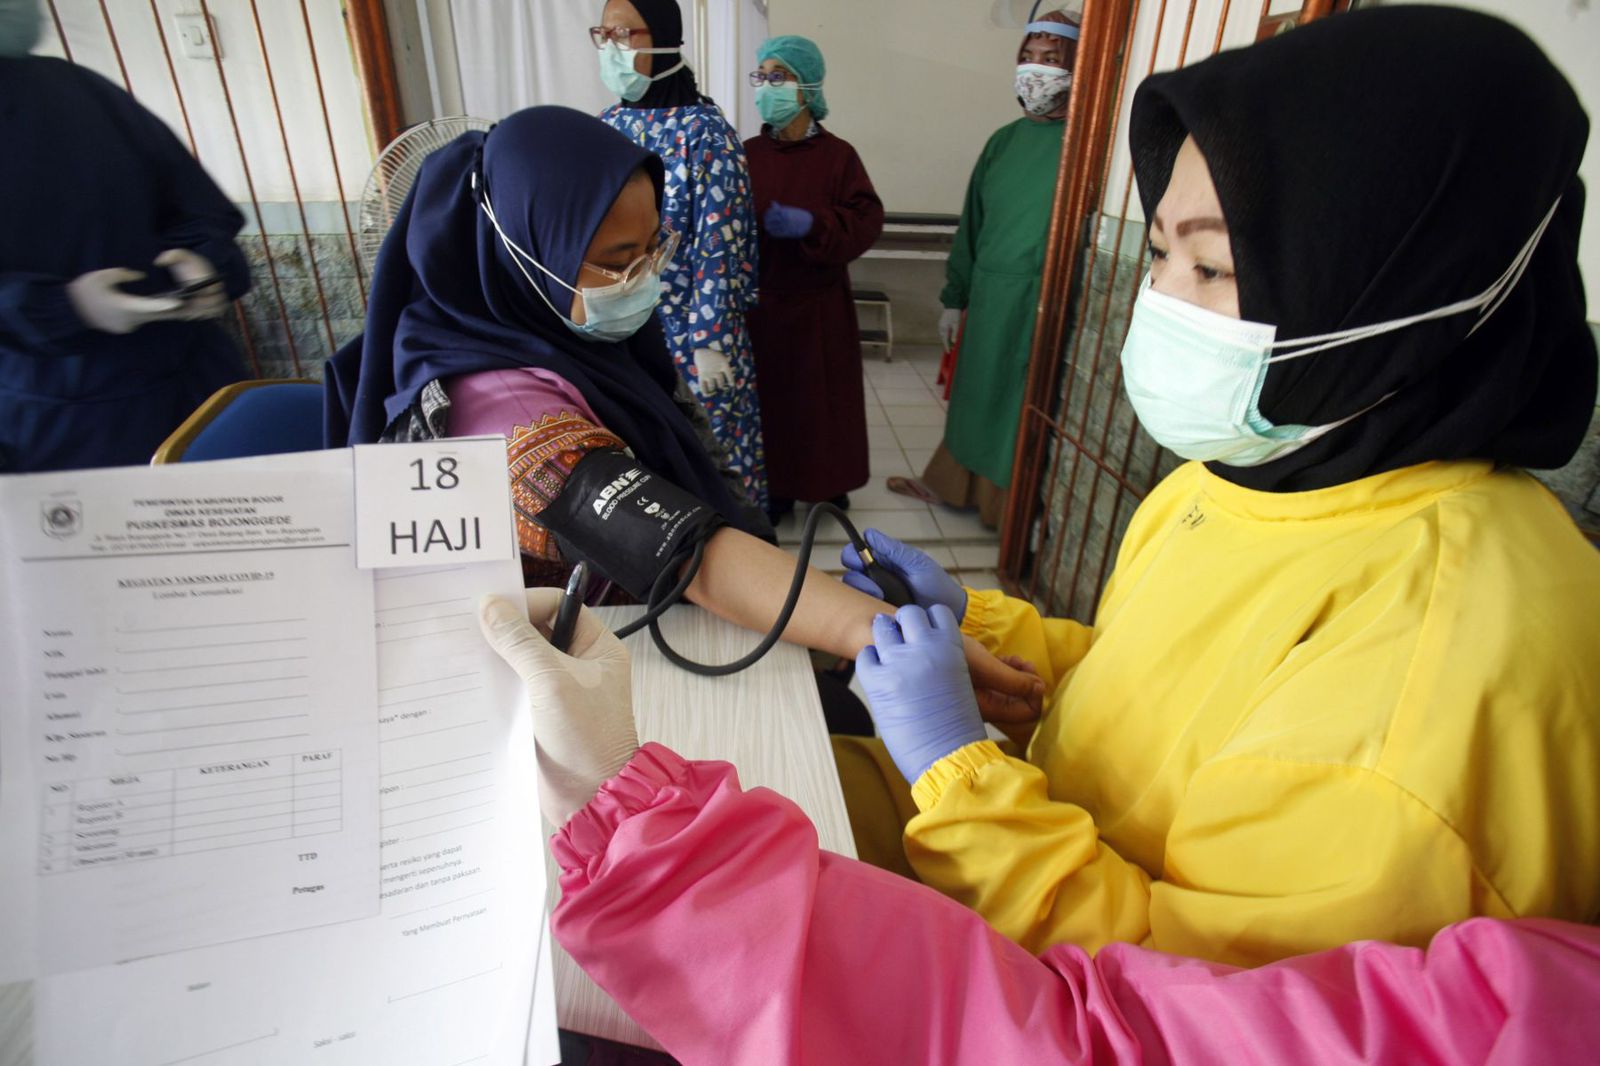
(918, 688)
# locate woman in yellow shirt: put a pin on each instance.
(1345, 680)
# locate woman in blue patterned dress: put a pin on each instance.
(712, 281)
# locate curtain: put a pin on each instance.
(517, 53)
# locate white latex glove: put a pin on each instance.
(102, 305)
(581, 701)
(949, 326)
(713, 369)
(187, 268)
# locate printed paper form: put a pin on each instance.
(446, 974)
(194, 757)
(462, 847)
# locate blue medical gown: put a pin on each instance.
(91, 180)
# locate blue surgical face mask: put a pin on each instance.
(1195, 376)
(616, 70)
(21, 22)
(617, 312)
(778, 104)
(610, 312)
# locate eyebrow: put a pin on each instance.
(619, 247)
(1196, 225)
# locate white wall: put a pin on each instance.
(1569, 33)
(916, 86)
(285, 34)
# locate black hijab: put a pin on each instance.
(1376, 165)
(448, 298)
(666, 31)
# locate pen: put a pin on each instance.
(567, 614)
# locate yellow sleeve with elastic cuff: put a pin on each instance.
(990, 837)
(1266, 859)
(1009, 626)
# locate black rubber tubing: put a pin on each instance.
(664, 594)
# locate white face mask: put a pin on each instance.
(1041, 87)
(1195, 376)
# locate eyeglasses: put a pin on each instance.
(650, 262)
(604, 35)
(777, 77)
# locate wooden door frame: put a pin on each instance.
(368, 28)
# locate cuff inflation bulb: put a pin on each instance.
(894, 590)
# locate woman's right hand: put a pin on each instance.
(582, 701)
(927, 580)
(915, 676)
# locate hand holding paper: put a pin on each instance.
(582, 701)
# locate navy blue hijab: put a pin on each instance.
(448, 299)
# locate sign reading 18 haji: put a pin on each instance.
(433, 503)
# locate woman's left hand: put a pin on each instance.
(189, 268)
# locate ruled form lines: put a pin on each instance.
(205, 807)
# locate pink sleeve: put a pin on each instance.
(493, 401)
(712, 917)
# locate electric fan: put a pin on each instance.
(395, 171)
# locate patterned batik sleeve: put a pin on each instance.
(540, 459)
(723, 244)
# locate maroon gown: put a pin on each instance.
(807, 346)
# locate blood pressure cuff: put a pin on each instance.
(625, 521)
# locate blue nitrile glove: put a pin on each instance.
(787, 222)
(915, 674)
(929, 582)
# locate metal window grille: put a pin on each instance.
(296, 87)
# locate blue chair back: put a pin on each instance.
(253, 418)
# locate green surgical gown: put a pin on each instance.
(994, 273)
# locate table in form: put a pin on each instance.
(206, 807)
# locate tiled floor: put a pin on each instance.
(905, 420)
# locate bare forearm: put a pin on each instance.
(744, 580)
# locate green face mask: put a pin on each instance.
(616, 70)
(1194, 376)
(778, 104)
